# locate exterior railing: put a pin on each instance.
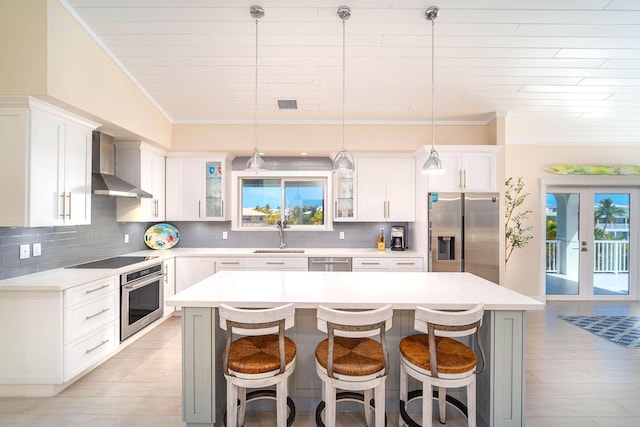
(610, 256)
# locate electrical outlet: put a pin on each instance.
(342, 235)
(24, 251)
(225, 236)
(126, 238)
(37, 249)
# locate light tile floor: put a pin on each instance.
(573, 379)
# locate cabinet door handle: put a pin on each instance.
(96, 289)
(96, 347)
(464, 174)
(222, 212)
(64, 203)
(166, 273)
(69, 205)
(91, 316)
(199, 209)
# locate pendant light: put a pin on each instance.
(343, 162)
(256, 163)
(433, 163)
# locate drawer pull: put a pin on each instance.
(104, 310)
(405, 263)
(370, 263)
(96, 347)
(229, 263)
(96, 289)
(274, 263)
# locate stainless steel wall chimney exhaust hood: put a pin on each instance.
(104, 182)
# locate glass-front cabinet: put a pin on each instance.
(197, 187)
(344, 207)
(214, 205)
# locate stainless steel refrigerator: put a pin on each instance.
(464, 233)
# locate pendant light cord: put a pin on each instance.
(433, 60)
(255, 107)
(344, 55)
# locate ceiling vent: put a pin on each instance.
(287, 104)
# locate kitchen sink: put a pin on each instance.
(278, 251)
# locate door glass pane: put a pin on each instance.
(260, 202)
(563, 243)
(304, 202)
(214, 189)
(611, 244)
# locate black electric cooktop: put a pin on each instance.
(115, 262)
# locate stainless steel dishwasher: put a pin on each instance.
(320, 263)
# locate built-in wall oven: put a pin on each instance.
(141, 298)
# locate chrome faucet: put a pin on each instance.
(282, 224)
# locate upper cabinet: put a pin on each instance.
(45, 166)
(386, 189)
(467, 168)
(344, 195)
(198, 187)
(142, 165)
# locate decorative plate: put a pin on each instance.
(161, 236)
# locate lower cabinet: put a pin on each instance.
(91, 313)
(169, 283)
(56, 335)
(226, 264)
(270, 264)
(387, 264)
(191, 270)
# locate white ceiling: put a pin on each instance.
(561, 70)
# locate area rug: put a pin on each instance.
(621, 330)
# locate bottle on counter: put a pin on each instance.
(381, 242)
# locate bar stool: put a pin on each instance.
(349, 359)
(261, 357)
(438, 360)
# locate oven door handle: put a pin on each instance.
(147, 280)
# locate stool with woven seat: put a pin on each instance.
(350, 359)
(260, 356)
(436, 359)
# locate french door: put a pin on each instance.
(591, 242)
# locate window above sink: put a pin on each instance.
(301, 198)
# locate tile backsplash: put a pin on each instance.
(104, 237)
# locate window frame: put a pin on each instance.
(326, 177)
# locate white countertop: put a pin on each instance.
(351, 290)
(63, 278)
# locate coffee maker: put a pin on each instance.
(398, 238)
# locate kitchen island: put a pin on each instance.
(500, 387)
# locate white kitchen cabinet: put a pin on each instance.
(45, 167)
(226, 264)
(198, 187)
(91, 324)
(386, 189)
(270, 264)
(191, 270)
(143, 166)
(169, 285)
(344, 196)
(54, 336)
(380, 264)
(465, 171)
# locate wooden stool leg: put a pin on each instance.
(471, 402)
(368, 395)
(442, 404)
(427, 404)
(403, 391)
(380, 405)
(281, 403)
(242, 408)
(232, 404)
(329, 405)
